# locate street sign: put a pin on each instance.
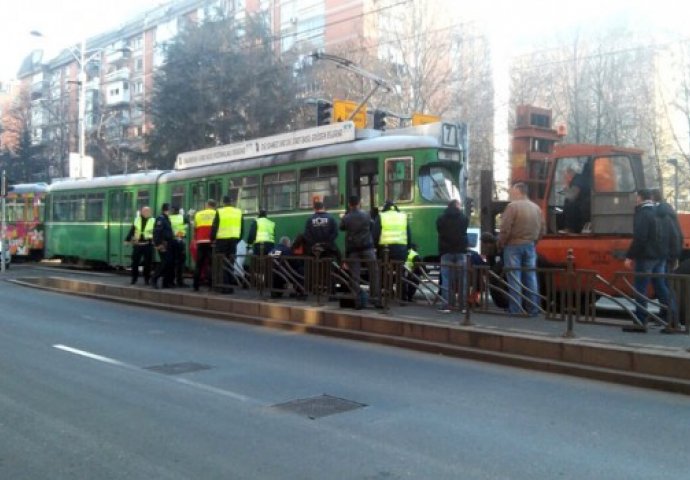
(423, 119)
(342, 109)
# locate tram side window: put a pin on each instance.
(94, 207)
(143, 200)
(319, 183)
(244, 192)
(78, 208)
(198, 198)
(14, 209)
(279, 191)
(214, 190)
(399, 179)
(61, 208)
(39, 209)
(177, 198)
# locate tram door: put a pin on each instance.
(120, 218)
(362, 180)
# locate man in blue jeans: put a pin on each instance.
(452, 248)
(648, 252)
(522, 225)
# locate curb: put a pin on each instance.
(641, 367)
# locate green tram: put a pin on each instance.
(420, 168)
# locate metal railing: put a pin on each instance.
(565, 294)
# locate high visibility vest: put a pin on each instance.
(203, 220)
(409, 261)
(148, 229)
(229, 223)
(265, 230)
(177, 224)
(393, 228)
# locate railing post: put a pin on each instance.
(466, 275)
(570, 277)
(386, 283)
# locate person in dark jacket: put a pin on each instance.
(671, 230)
(452, 246)
(359, 247)
(162, 240)
(320, 232)
(647, 254)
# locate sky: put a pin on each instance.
(62, 22)
(65, 22)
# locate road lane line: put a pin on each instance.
(183, 381)
(90, 355)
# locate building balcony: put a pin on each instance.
(38, 89)
(117, 75)
(117, 94)
(117, 53)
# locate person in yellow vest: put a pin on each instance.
(392, 230)
(179, 223)
(262, 234)
(140, 236)
(226, 232)
(413, 272)
(203, 222)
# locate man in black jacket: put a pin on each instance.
(452, 247)
(359, 247)
(647, 254)
(320, 232)
(162, 241)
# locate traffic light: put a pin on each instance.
(324, 112)
(379, 120)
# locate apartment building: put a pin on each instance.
(120, 70)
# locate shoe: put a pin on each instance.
(669, 330)
(443, 310)
(133, 281)
(196, 289)
(182, 285)
(146, 281)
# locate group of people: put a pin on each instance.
(166, 234)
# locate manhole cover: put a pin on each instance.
(178, 368)
(317, 407)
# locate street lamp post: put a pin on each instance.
(674, 162)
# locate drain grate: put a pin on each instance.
(178, 368)
(317, 407)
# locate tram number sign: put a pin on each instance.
(449, 136)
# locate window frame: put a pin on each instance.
(409, 180)
(306, 180)
(279, 183)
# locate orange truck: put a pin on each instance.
(587, 194)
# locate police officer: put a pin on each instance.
(203, 222)
(179, 222)
(392, 230)
(226, 232)
(321, 231)
(262, 234)
(141, 236)
(162, 239)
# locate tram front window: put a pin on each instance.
(438, 184)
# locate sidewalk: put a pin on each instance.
(599, 350)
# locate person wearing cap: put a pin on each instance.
(392, 230)
(140, 236)
(226, 232)
(179, 223)
(203, 221)
(262, 234)
(162, 241)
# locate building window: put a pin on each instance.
(138, 64)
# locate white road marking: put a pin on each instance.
(90, 355)
(180, 380)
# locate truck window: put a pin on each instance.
(613, 174)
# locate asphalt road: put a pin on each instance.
(78, 400)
